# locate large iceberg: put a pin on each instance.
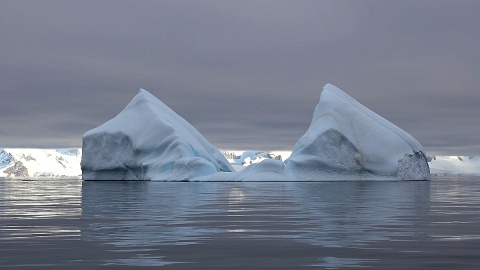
(345, 141)
(348, 141)
(148, 141)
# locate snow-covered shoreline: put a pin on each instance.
(454, 165)
(36, 163)
(65, 162)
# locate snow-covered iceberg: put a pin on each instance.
(345, 141)
(348, 141)
(148, 141)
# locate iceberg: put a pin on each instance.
(345, 141)
(148, 141)
(348, 141)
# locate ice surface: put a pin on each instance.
(149, 141)
(348, 141)
(345, 141)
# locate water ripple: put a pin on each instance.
(141, 222)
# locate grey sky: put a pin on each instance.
(246, 74)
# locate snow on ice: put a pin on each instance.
(345, 141)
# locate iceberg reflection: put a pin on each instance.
(137, 215)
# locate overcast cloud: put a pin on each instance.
(246, 74)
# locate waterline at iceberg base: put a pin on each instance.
(345, 141)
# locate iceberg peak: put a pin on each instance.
(346, 140)
(146, 94)
(148, 140)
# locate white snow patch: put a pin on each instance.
(42, 163)
(454, 165)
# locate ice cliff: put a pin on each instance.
(345, 141)
(148, 141)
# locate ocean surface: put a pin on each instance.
(71, 224)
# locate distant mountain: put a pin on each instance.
(246, 158)
(454, 165)
(40, 163)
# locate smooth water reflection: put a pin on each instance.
(329, 214)
(244, 225)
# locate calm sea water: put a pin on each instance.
(68, 224)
